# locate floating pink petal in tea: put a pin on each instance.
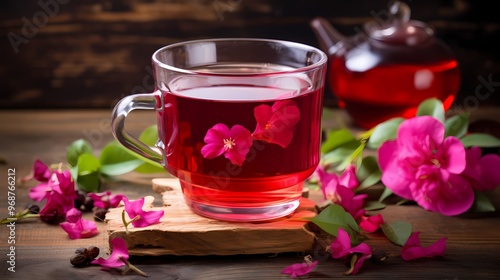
(118, 256)
(371, 223)
(413, 250)
(299, 269)
(145, 218)
(276, 124)
(423, 165)
(76, 227)
(234, 143)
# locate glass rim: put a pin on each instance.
(322, 61)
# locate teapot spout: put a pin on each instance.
(327, 36)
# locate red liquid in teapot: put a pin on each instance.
(388, 91)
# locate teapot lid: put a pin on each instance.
(398, 28)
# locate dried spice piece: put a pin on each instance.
(83, 256)
(99, 214)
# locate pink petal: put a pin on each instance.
(330, 189)
(212, 150)
(41, 172)
(341, 245)
(120, 251)
(299, 269)
(40, 191)
(73, 215)
(395, 176)
(348, 177)
(351, 203)
(146, 218)
(262, 115)
(482, 172)
(412, 249)
(359, 263)
(372, 223)
(451, 155)
(214, 140)
(456, 198)
(278, 125)
(422, 133)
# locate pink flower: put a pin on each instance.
(234, 143)
(56, 207)
(118, 257)
(412, 249)
(141, 218)
(41, 172)
(423, 165)
(338, 194)
(106, 200)
(299, 269)
(341, 247)
(372, 223)
(482, 172)
(329, 180)
(76, 227)
(276, 124)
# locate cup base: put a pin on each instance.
(236, 214)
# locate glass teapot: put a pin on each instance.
(387, 70)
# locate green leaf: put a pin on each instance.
(482, 203)
(147, 168)
(340, 153)
(397, 232)
(368, 172)
(334, 217)
(374, 205)
(75, 149)
(114, 160)
(149, 136)
(335, 139)
(481, 140)
(384, 131)
(457, 125)
(385, 194)
(87, 170)
(431, 107)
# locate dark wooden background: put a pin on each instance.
(88, 54)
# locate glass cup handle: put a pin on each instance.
(129, 103)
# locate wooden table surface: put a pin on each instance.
(43, 251)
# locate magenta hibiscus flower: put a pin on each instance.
(424, 166)
(234, 143)
(276, 124)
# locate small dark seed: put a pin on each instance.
(79, 260)
(92, 252)
(379, 256)
(80, 251)
(88, 204)
(99, 214)
(34, 209)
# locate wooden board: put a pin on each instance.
(182, 232)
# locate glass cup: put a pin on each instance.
(239, 123)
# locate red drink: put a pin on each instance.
(271, 176)
(388, 91)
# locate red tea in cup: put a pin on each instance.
(239, 123)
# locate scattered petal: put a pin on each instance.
(413, 250)
(106, 200)
(140, 217)
(118, 256)
(76, 227)
(371, 223)
(299, 269)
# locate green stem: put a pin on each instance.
(125, 223)
(19, 216)
(132, 267)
